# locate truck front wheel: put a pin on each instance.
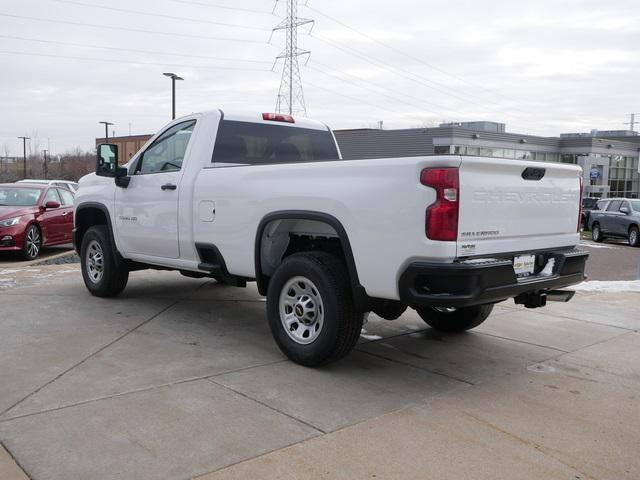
(102, 273)
(450, 319)
(310, 309)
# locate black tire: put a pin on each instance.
(114, 275)
(454, 320)
(634, 237)
(596, 233)
(32, 242)
(327, 281)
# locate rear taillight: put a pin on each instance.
(278, 117)
(580, 204)
(441, 222)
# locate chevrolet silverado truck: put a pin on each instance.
(267, 198)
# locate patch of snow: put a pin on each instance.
(8, 271)
(370, 337)
(611, 286)
(364, 335)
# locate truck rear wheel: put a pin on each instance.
(310, 309)
(102, 273)
(450, 319)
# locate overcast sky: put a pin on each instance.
(542, 67)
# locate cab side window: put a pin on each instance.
(67, 197)
(614, 206)
(52, 196)
(167, 152)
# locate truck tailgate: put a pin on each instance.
(505, 207)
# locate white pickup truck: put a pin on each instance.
(267, 198)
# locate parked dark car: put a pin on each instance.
(33, 216)
(588, 204)
(616, 218)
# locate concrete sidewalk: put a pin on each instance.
(179, 378)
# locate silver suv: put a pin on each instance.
(616, 218)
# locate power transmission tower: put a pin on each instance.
(633, 122)
(291, 95)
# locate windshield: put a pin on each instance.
(19, 197)
(589, 202)
(635, 205)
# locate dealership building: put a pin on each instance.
(609, 159)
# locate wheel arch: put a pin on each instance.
(85, 216)
(262, 278)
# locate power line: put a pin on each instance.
(406, 74)
(390, 68)
(154, 52)
(395, 99)
(401, 52)
(225, 7)
(160, 15)
(360, 101)
(136, 30)
(377, 85)
(92, 59)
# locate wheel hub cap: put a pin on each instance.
(94, 262)
(301, 310)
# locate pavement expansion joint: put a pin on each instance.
(104, 347)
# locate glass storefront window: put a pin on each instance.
(473, 151)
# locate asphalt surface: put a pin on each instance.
(612, 260)
(179, 377)
(13, 260)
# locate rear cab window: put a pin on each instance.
(248, 143)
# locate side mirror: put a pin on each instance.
(107, 161)
(624, 210)
(51, 204)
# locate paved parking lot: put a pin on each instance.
(179, 378)
(612, 260)
(12, 260)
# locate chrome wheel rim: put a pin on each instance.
(94, 260)
(301, 310)
(596, 232)
(633, 237)
(33, 242)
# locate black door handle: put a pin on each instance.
(168, 186)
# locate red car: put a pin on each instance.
(33, 216)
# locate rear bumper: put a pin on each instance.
(462, 284)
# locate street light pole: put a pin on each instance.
(173, 78)
(45, 163)
(106, 130)
(24, 156)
